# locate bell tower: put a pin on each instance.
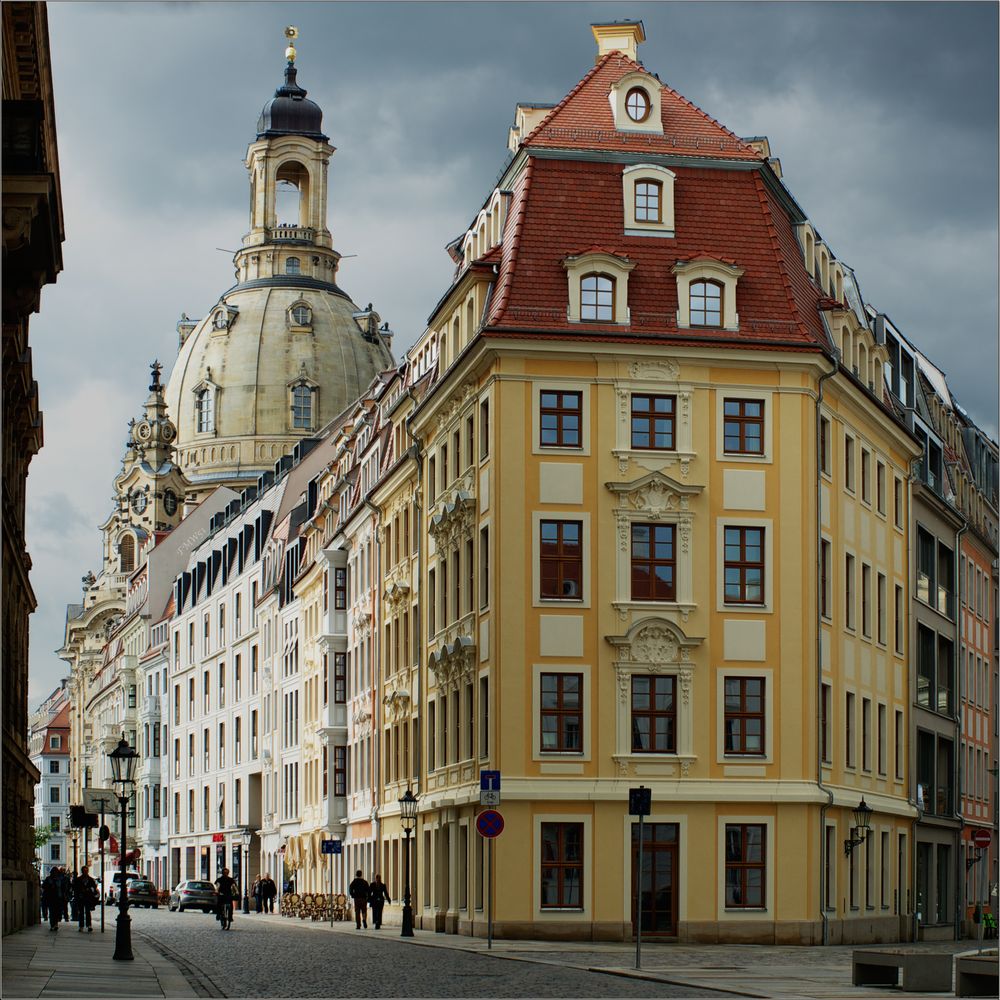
(288, 166)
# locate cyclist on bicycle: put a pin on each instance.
(227, 890)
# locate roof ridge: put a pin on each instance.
(586, 78)
(714, 121)
(786, 280)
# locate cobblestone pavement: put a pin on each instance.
(271, 957)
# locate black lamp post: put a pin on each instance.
(123, 764)
(246, 836)
(862, 824)
(408, 819)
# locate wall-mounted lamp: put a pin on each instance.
(862, 824)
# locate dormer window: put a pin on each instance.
(220, 321)
(301, 316)
(204, 410)
(648, 201)
(293, 266)
(637, 104)
(598, 287)
(597, 297)
(302, 407)
(705, 303)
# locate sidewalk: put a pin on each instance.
(783, 972)
(40, 963)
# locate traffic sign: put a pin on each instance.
(329, 846)
(981, 838)
(99, 800)
(489, 824)
(640, 801)
(489, 781)
(490, 798)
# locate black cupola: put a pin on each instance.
(290, 113)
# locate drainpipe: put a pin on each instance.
(959, 674)
(376, 720)
(819, 657)
(915, 929)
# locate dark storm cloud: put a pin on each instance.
(884, 117)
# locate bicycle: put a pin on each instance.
(226, 914)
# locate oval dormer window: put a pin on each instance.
(301, 315)
(221, 320)
(637, 104)
(292, 266)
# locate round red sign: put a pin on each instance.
(981, 838)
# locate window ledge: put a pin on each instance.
(683, 608)
(642, 231)
(746, 909)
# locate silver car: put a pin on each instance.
(193, 895)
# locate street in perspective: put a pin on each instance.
(602, 603)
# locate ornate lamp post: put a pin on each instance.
(862, 824)
(408, 819)
(246, 836)
(123, 764)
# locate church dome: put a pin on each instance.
(270, 364)
(290, 113)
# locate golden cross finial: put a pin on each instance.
(291, 33)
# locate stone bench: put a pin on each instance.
(923, 971)
(977, 975)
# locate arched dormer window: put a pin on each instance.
(648, 198)
(705, 303)
(706, 293)
(598, 287)
(204, 409)
(597, 297)
(293, 266)
(809, 251)
(126, 554)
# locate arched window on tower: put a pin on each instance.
(302, 407)
(293, 266)
(204, 409)
(126, 554)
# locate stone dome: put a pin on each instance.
(245, 360)
(289, 113)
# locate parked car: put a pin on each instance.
(113, 881)
(193, 895)
(142, 893)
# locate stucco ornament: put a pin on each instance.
(660, 370)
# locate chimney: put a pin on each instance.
(619, 36)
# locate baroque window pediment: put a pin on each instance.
(654, 494)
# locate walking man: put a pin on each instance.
(85, 896)
(378, 896)
(360, 890)
(52, 894)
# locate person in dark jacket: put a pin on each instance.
(255, 891)
(85, 898)
(378, 896)
(360, 890)
(53, 895)
(66, 888)
(268, 892)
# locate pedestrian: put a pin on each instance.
(256, 892)
(65, 889)
(85, 897)
(52, 894)
(360, 890)
(378, 896)
(269, 890)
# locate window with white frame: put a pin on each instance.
(204, 409)
(598, 287)
(706, 292)
(648, 199)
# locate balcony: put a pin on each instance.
(149, 767)
(150, 710)
(151, 832)
(286, 233)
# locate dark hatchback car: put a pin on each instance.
(142, 893)
(193, 895)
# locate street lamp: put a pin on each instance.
(123, 764)
(408, 819)
(862, 824)
(246, 836)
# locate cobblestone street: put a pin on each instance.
(269, 957)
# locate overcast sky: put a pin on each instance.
(884, 117)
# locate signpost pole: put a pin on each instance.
(638, 902)
(331, 889)
(489, 895)
(103, 889)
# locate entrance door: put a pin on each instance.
(658, 891)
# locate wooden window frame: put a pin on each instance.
(743, 565)
(648, 103)
(650, 419)
(559, 865)
(340, 770)
(657, 193)
(560, 412)
(743, 421)
(561, 712)
(653, 714)
(561, 559)
(694, 294)
(651, 562)
(742, 715)
(340, 678)
(743, 866)
(598, 306)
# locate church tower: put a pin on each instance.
(285, 349)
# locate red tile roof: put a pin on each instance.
(583, 120)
